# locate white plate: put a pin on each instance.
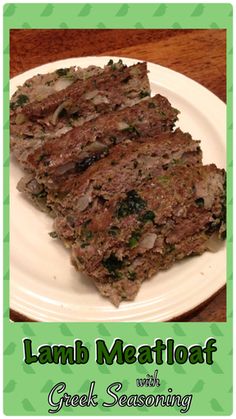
(43, 284)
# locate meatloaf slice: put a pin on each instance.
(80, 147)
(99, 88)
(127, 165)
(40, 86)
(164, 219)
(122, 86)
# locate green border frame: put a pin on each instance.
(211, 386)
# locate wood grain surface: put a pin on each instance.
(199, 54)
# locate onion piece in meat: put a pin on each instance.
(34, 187)
(214, 244)
(83, 202)
(58, 111)
(148, 241)
(95, 147)
(83, 155)
(91, 94)
(100, 99)
(23, 182)
(62, 131)
(65, 168)
(42, 91)
(20, 119)
(122, 125)
(62, 83)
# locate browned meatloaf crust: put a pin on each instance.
(126, 165)
(98, 91)
(80, 147)
(164, 219)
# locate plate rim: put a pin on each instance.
(108, 57)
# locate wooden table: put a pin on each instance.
(199, 54)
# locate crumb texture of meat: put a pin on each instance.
(148, 229)
(81, 146)
(47, 106)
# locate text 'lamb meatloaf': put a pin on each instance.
(165, 219)
(80, 147)
(46, 106)
(125, 166)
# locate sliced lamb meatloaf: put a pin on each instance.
(164, 219)
(25, 135)
(126, 167)
(117, 86)
(42, 85)
(80, 147)
(98, 88)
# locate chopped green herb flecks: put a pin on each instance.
(113, 264)
(134, 239)
(177, 162)
(151, 105)
(112, 64)
(132, 204)
(86, 234)
(114, 231)
(126, 80)
(163, 179)
(97, 187)
(21, 100)
(170, 248)
(148, 216)
(199, 202)
(75, 116)
(41, 157)
(42, 194)
(83, 245)
(62, 71)
(132, 129)
(113, 139)
(53, 234)
(143, 94)
(148, 177)
(176, 110)
(131, 275)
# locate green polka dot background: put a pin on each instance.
(26, 386)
